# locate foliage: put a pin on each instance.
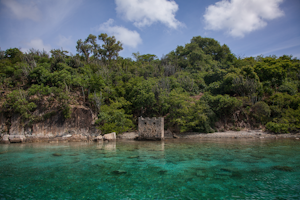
(289, 88)
(193, 86)
(222, 105)
(112, 118)
(261, 111)
(18, 102)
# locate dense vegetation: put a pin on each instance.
(200, 87)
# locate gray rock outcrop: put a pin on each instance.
(79, 127)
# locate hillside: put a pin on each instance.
(199, 87)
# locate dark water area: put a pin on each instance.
(173, 169)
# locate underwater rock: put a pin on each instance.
(226, 170)
(236, 174)
(162, 171)
(56, 154)
(120, 172)
(258, 156)
(200, 174)
(283, 168)
(133, 156)
(3, 152)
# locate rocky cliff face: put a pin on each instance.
(79, 127)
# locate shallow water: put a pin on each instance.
(173, 169)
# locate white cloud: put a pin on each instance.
(23, 11)
(65, 42)
(238, 17)
(127, 37)
(37, 44)
(147, 12)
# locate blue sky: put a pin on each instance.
(248, 27)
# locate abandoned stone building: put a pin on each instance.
(151, 128)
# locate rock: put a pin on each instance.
(80, 123)
(175, 136)
(128, 135)
(56, 154)
(168, 134)
(66, 136)
(133, 156)
(5, 139)
(283, 168)
(119, 172)
(16, 138)
(110, 136)
(99, 138)
(78, 138)
(16, 127)
(162, 171)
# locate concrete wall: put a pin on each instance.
(151, 128)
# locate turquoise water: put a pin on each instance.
(173, 169)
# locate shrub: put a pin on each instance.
(289, 88)
(112, 118)
(277, 127)
(261, 111)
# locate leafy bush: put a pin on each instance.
(112, 118)
(222, 105)
(261, 111)
(17, 101)
(289, 122)
(289, 88)
(277, 127)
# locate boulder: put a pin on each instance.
(110, 136)
(99, 138)
(168, 133)
(16, 138)
(128, 135)
(175, 136)
(67, 136)
(5, 139)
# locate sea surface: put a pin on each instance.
(173, 169)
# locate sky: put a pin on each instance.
(247, 27)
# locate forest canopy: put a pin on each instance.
(201, 86)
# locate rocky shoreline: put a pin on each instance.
(7, 139)
(258, 134)
(250, 134)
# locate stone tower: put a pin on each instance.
(151, 128)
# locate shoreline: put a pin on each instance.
(238, 134)
(250, 134)
(259, 134)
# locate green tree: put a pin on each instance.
(87, 47)
(111, 47)
(112, 117)
(57, 53)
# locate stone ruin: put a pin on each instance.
(151, 128)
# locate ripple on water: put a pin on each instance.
(186, 169)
